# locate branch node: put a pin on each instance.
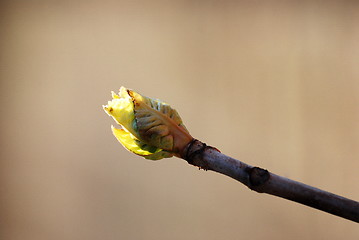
(194, 151)
(257, 176)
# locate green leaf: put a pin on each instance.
(157, 123)
(132, 144)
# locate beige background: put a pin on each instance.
(275, 84)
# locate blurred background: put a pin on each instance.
(272, 83)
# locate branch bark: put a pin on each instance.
(260, 180)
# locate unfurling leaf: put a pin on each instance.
(150, 127)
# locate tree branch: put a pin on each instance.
(263, 181)
(154, 130)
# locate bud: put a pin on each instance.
(150, 127)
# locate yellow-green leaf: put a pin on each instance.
(134, 145)
(158, 123)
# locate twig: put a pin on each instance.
(263, 181)
(154, 130)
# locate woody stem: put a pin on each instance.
(263, 181)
